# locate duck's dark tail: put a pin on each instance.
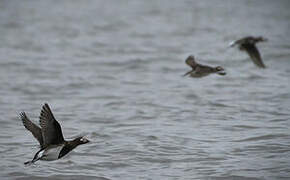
(31, 162)
(35, 158)
(28, 162)
(187, 73)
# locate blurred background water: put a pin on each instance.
(111, 70)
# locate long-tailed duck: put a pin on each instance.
(248, 44)
(199, 70)
(49, 135)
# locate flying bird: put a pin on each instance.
(248, 44)
(49, 135)
(199, 70)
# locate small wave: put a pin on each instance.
(245, 127)
(230, 177)
(259, 138)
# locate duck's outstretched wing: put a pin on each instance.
(190, 61)
(51, 129)
(254, 53)
(33, 128)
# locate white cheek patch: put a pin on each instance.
(84, 140)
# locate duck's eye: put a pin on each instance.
(219, 68)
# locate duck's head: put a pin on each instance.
(220, 70)
(81, 140)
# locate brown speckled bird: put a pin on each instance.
(199, 70)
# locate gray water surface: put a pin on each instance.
(112, 70)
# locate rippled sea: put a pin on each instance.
(112, 70)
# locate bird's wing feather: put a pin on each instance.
(190, 62)
(33, 128)
(51, 129)
(254, 54)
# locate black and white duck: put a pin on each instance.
(49, 135)
(248, 44)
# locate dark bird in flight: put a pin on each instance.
(49, 135)
(248, 44)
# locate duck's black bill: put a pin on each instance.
(222, 73)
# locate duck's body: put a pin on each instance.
(52, 144)
(248, 44)
(50, 153)
(199, 70)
